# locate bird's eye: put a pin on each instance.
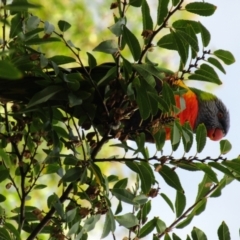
(220, 115)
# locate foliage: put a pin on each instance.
(58, 120)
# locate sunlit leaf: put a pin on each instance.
(225, 146)
(223, 232)
(180, 203)
(127, 220)
(170, 177)
(63, 25)
(225, 56)
(201, 137)
(198, 234)
(147, 19)
(44, 95)
(162, 11)
(132, 43)
(147, 228)
(201, 8)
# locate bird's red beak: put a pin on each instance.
(215, 134)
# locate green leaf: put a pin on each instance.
(205, 34)
(160, 138)
(216, 63)
(111, 73)
(4, 174)
(140, 199)
(72, 174)
(175, 237)
(107, 46)
(44, 95)
(221, 168)
(63, 25)
(204, 187)
(167, 237)
(12, 230)
(40, 186)
(92, 62)
(145, 211)
(74, 100)
(9, 71)
(162, 11)
(127, 220)
(123, 195)
(147, 228)
(222, 184)
(119, 208)
(225, 56)
(191, 40)
(185, 222)
(89, 225)
(61, 59)
(121, 183)
(109, 224)
(4, 234)
(176, 133)
(52, 168)
(32, 26)
(198, 234)
(167, 200)
(180, 203)
(70, 160)
(16, 25)
(184, 24)
(225, 146)
(206, 73)
(223, 232)
(201, 8)
(210, 173)
(168, 95)
(135, 3)
(2, 198)
(118, 26)
(160, 225)
(170, 177)
(201, 136)
(74, 228)
(98, 174)
(187, 136)
(146, 16)
(167, 42)
(5, 157)
(181, 46)
(142, 99)
(145, 174)
(132, 43)
(234, 165)
(147, 71)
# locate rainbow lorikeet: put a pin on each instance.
(200, 106)
(204, 107)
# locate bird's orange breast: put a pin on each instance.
(191, 108)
